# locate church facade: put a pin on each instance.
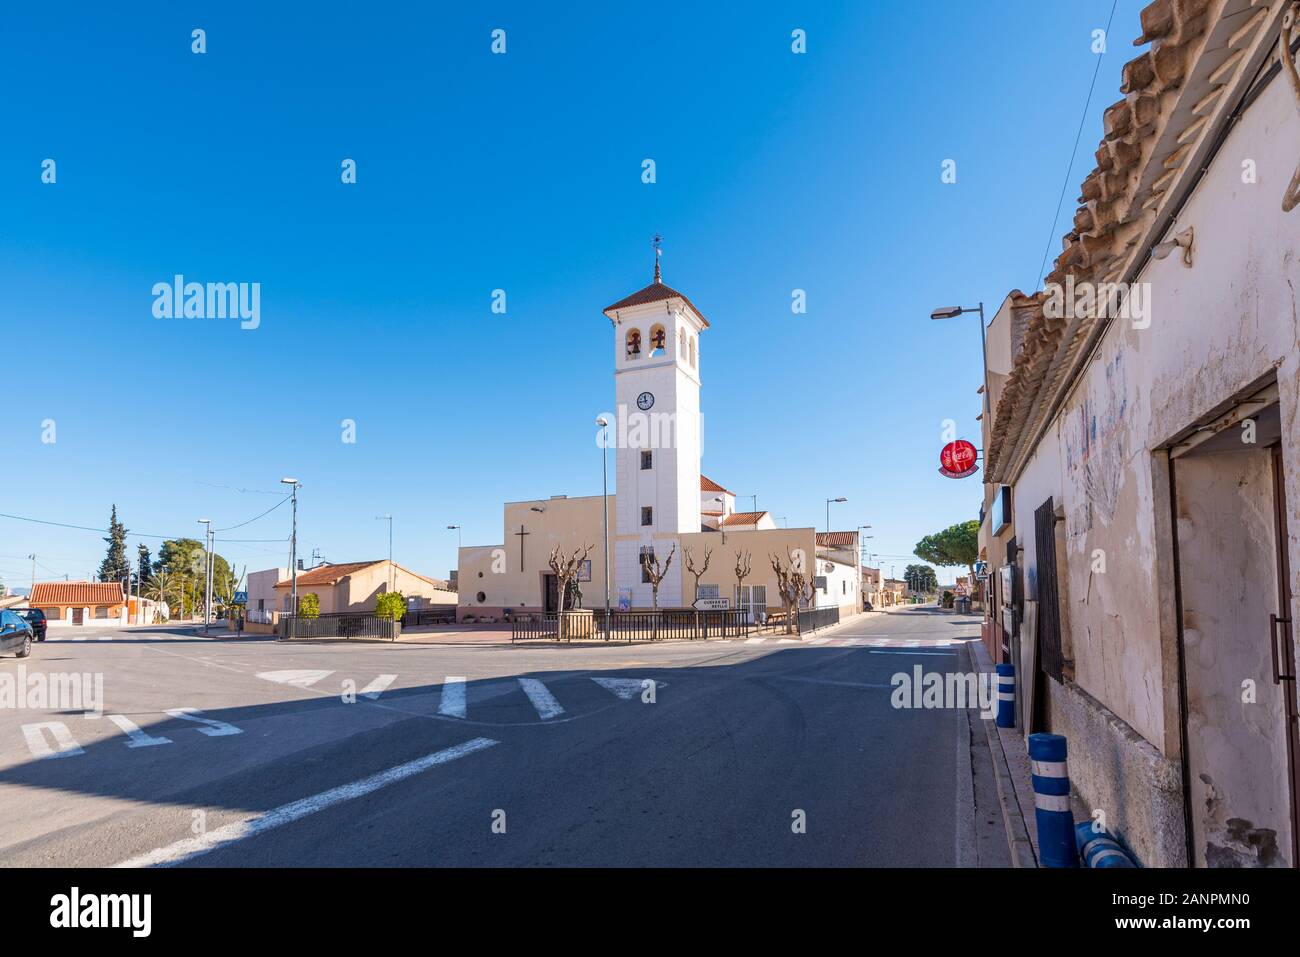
(661, 504)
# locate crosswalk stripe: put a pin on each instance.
(192, 847)
(541, 697)
(453, 697)
(65, 744)
(625, 688)
(138, 738)
(376, 687)
(755, 641)
(299, 679)
(819, 641)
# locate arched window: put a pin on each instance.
(681, 343)
(692, 352)
(658, 341)
(634, 343)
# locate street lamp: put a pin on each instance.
(389, 519)
(457, 530)
(207, 571)
(293, 552)
(952, 312)
(604, 510)
(829, 501)
(861, 529)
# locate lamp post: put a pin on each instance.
(207, 577)
(456, 528)
(952, 312)
(861, 529)
(389, 519)
(604, 511)
(293, 552)
(829, 501)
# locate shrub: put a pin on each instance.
(309, 605)
(390, 604)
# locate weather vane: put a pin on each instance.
(658, 244)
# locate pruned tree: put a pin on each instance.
(794, 586)
(743, 570)
(688, 559)
(566, 568)
(656, 571)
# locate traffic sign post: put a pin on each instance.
(712, 604)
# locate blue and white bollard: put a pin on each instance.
(1099, 849)
(1006, 695)
(1052, 801)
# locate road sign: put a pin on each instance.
(982, 570)
(957, 460)
(712, 604)
(241, 598)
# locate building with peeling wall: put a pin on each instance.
(1149, 439)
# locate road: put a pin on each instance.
(675, 754)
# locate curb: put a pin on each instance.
(1013, 818)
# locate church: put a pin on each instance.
(661, 503)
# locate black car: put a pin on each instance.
(36, 618)
(15, 633)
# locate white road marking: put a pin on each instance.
(855, 642)
(908, 653)
(376, 687)
(139, 738)
(65, 744)
(819, 641)
(105, 638)
(299, 679)
(190, 848)
(911, 644)
(541, 697)
(625, 688)
(755, 641)
(453, 697)
(211, 726)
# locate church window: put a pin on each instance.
(482, 597)
(692, 352)
(647, 460)
(647, 515)
(658, 341)
(681, 343)
(634, 343)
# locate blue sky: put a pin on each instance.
(775, 171)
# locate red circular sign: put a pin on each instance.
(958, 459)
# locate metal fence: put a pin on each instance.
(683, 623)
(432, 615)
(362, 627)
(810, 619)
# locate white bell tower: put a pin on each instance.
(658, 437)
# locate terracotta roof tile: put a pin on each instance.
(655, 292)
(743, 518)
(836, 539)
(708, 485)
(76, 593)
(325, 574)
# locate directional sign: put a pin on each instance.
(712, 604)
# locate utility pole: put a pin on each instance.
(33, 558)
(380, 518)
(293, 551)
(207, 580)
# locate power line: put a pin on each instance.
(105, 531)
(255, 517)
(1073, 153)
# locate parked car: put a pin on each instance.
(15, 633)
(36, 618)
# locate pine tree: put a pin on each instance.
(143, 566)
(115, 566)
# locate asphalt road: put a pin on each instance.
(755, 754)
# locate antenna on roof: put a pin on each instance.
(657, 243)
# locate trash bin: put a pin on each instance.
(963, 606)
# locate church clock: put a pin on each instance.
(645, 401)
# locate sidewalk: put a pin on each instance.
(1011, 769)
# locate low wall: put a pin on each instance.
(1116, 770)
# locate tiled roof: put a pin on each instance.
(1156, 139)
(76, 593)
(655, 292)
(836, 539)
(743, 518)
(708, 485)
(325, 574)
